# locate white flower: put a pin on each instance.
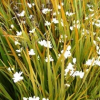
(12, 26)
(45, 99)
(50, 59)
(98, 25)
(71, 28)
(33, 4)
(69, 47)
(98, 38)
(68, 85)
(74, 60)
(66, 71)
(76, 22)
(59, 7)
(10, 69)
(97, 47)
(98, 52)
(98, 21)
(24, 98)
(34, 98)
(19, 55)
(45, 43)
(48, 44)
(29, 5)
(77, 73)
(31, 52)
(17, 77)
(46, 10)
(54, 13)
(98, 57)
(62, 3)
(77, 26)
(19, 33)
(22, 14)
(86, 18)
(32, 31)
(54, 20)
(91, 10)
(67, 52)
(73, 73)
(69, 14)
(88, 5)
(81, 74)
(17, 43)
(91, 15)
(70, 66)
(62, 36)
(18, 50)
(94, 42)
(42, 42)
(47, 23)
(30, 16)
(89, 62)
(97, 62)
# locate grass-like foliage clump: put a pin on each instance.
(49, 49)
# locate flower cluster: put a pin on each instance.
(93, 62)
(46, 10)
(45, 43)
(75, 24)
(49, 59)
(67, 53)
(30, 5)
(70, 68)
(69, 13)
(34, 98)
